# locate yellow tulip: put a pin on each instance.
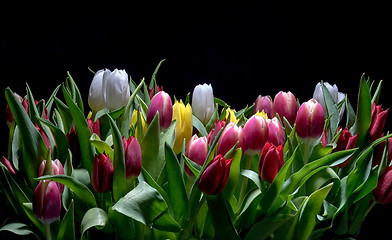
(230, 116)
(184, 127)
(134, 121)
(262, 114)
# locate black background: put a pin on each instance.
(242, 50)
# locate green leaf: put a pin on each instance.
(67, 226)
(65, 114)
(75, 185)
(83, 131)
(119, 179)
(75, 93)
(252, 176)
(350, 114)
(332, 110)
(176, 186)
(150, 149)
(94, 217)
(199, 126)
(17, 228)
(101, 145)
(264, 228)
(153, 82)
(144, 204)
(377, 93)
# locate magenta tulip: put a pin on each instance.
(382, 192)
(285, 105)
(214, 178)
(133, 157)
(46, 201)
(217, 127)
(196, 150)
(162, 104)
(264, 104)
(271, 161)
(310, 120)
(102, 174)
(57, 170)
(229, 137)
(256, 134)
(8, 165)
(275, 132)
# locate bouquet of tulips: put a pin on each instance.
(137, 166)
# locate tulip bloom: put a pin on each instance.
(379, 117)
(102, 174)
(256, 134)
(346, 141)
(57, 170)
(134, 122)
(94, 127)
(264, 104)
(152, 92)
(133, 157)
(275, 132)
(217, 127)
(203, 102)
(214, 178)
(285, 105)
(184, 124)
(310, 120)
(162, 104)
(9, 117)
(115, 89)
(271, 161)
(46, 201)
(335, 94)
(230, 116)
(196, 150)
(382, 192)
(95, 94)
(229, 137)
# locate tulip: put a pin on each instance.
(203, 102)
(133, 157)
(379, 152)
(229, 137)
(256, 134)
(285, 105)
(196, 150)
(95, 94)
(45, 137)
(134, 121)
(57, 170)
(345, 141)
(335, 94)
(310, 120)
(152, 91)
(378, 121)
(46, 201)
(115, 89)
(162, 104)
(74, 146)
(214, 178)
(230, 116)
(184, 126)
(382, 192)
(217, 127)
(102, 174)
(8, 165)
(8, 113)
(271, 161)
(275, 132)
(264, 104)
(94, 126)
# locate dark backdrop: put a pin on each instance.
(242, 50)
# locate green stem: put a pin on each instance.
(306, 152)
(244, 185)
(189, 226)
(10, 138)
(47, 232)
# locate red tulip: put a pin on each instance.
(310, 120)
(162, 104)
(256, 134)
(285, 105)
(378, 121)
(8, 165)
(133, 157)
(271, 161)
(346, 141)
(45, 137)
(383, 193)
(214, 178)
(264, 104)
(94, 127)
(196, 150)
(57, 170)
(46, 201)
(102, 174)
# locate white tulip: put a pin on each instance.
(95, 94)
(335, 94)
(203, 102)
(115, 89)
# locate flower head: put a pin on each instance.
(203, 102)
(214, 178)
(184, 126)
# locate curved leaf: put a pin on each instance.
(94, 217)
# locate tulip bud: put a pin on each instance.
(102, 174)
(382, 192)
(57, 170)
(45, 137)
(346, 141)
(184, 125)
(94, 126)
(229, 137)
(335, 94)
(196, 150)
(203, 102)
(74, 146)
(275, 132)
(264, 104)
(8, 165)
(310, 120)
(162, 104)
(217, 127)
(134, 122)
(115, 89)
(379, 117)
(152, 92)
(256, 134)
(285, 105)
(271, 161)
(95, 94)
(46, 201)
(8, 113)
(214, 178)
(133, 157)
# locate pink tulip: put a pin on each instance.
(196, 150)
(264, 104)
(214, 178)
(133, 157)
(57, 170)
(217, 127)
(46, 201)
(256, 134)
(162, 104)
(271, 161)
(310, 120)
(229, 137)
(285, 105)
(275, 132)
